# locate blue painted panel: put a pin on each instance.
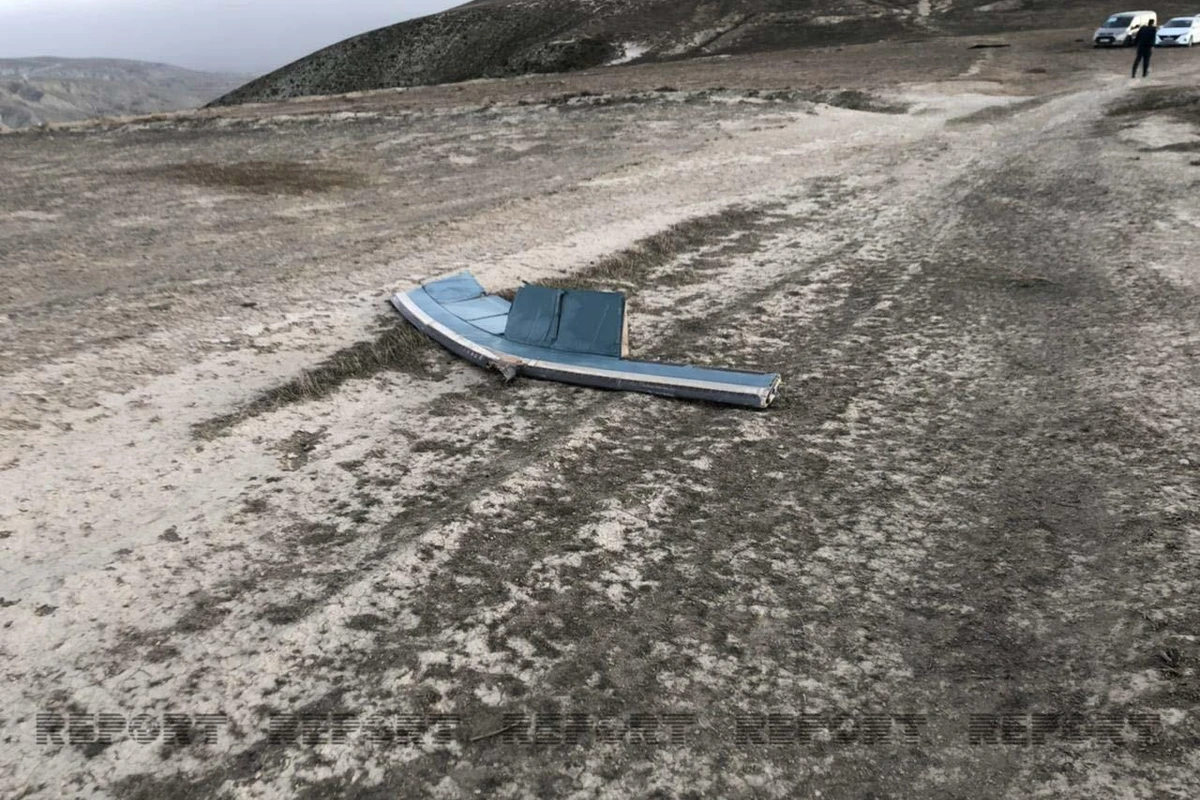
(533, 318)
(453, 289)
(591, 322)
(494, 325)
(478, 307)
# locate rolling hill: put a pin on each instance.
(498, 38)
(40, 90)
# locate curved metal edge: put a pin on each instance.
(476, 353)
(726, 395)
(459, 345)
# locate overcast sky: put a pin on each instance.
(224, 35)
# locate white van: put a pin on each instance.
(1122, 28)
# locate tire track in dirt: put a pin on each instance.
(1031, 526)
(1081, 505)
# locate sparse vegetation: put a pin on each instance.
(1176, 147)
(858, 100)
(258, 177)
(1181, 102)
(631, 267)
(501, 39)
(853, 99)
(999, 112)
(397, 347)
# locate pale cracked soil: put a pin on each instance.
(231, 483)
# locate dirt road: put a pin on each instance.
(957, 559)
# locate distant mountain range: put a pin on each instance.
(38, 90)
(497, 38)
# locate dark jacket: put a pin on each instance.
(1146, 37)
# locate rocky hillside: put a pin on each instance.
(38, 90)
(495, 38)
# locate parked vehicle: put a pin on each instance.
(1122, 28)
(1179, 32)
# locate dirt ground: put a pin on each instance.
(957, 559)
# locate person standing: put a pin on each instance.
(1145, 40)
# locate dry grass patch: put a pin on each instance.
(1177, 147)
(999, 112)
(1183, 103)
(858, 100)
(398, 347)
(631, 268)
(258, 177)
(853, 99)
